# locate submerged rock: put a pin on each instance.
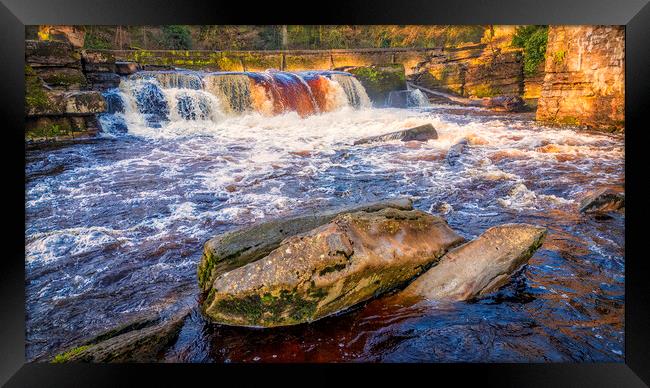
(509, 103)
(601, 201)
(421, 133)
(455, 151)
(329, 269)
(479, 266)
(142, 340)
(240, 247)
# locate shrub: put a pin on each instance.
(177, 38)
(533, 40)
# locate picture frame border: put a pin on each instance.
(634, 14)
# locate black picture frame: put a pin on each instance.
(634, 14)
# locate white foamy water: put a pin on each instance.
(113, 227)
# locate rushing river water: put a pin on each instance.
(115, 228)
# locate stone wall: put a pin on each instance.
(480, 70)
(584, 80)
(289, 60)
(58, 104)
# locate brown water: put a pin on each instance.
(115, 227)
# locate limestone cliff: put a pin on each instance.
(480, 70)
(584, 80)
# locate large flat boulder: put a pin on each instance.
(420, 133)
(480, 266)
(242, 246)
(349, 260)
(142, 340)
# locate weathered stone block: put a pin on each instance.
(584, 83)
(51, 53)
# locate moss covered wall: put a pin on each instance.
(291, 60)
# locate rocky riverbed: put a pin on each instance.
(114, 230)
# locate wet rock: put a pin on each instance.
(505, 103)
(421, 133)
(126, 68)
(240, 247)
(50, 53)
(329, 269)
(103, 81)
(455, 151)
(98, 61)
(380, 80)
(398, 99)
(68, 103)
(602, 201)
(142, 340)
(62, 78)
(480, 266)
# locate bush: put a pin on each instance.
(533, 40)
(177, 38)
(97, 42)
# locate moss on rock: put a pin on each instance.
(36, 98)
(380, 80)
(70, 354)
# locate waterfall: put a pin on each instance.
(356, 93)
(156, 98)
(173, 79)
(233, 89)
(417, 98)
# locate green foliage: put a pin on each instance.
(177, 37)
(269, 37)
(533, 40)
(96, 42)
(35, 96)
(559, 56)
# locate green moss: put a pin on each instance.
(380, 80)
(559, 56)
(35, 96)
(483, 91)
(65, 357)
(569, 120)
(204, 271)
(270, 309)
(67, 79)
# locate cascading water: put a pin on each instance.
(152, 99)
(353, 89)
(417, 98)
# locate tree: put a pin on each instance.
(177, 37)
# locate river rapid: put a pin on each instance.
(115, 228)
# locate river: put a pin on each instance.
(115, 228)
